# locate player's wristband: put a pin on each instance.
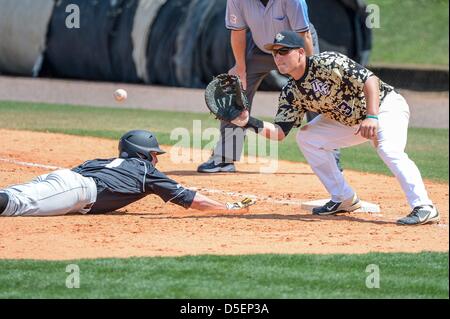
(372, 117)
(254, 123)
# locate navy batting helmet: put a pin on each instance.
(138, 144)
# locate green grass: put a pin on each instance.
(427, 147)
(411, 32)
(423, 275)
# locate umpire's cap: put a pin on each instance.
(289, 39)
(138, 144)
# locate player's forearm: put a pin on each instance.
(238, 45)
(372, 95)
(266, 129)
(309, 47)
(272, 131)
(201, 202)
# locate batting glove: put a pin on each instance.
(246, 202)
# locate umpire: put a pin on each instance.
(265, 19)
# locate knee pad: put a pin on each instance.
(4, 199)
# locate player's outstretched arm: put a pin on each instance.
(203, 203)
(266, 129)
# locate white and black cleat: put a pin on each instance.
(331, 208)
(421, 215)
(211, 167)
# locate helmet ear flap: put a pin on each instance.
(142, 156)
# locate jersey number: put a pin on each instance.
(115, 163)
(345, 109)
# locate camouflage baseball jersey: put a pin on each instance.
(333, 85)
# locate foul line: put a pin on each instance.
(49, 167)
(265, 198)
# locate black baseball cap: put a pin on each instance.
(289, 39)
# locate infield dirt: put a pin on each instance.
(151, 228)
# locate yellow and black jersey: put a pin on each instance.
(333, 85)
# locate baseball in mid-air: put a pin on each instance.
(120, 95)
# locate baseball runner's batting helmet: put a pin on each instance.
(138, 144)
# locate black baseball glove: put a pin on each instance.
(225, 97)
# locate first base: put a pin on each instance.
(366, 207)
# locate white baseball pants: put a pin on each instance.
(58, 193)
(322, 135)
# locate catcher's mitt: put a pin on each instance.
(225, 97)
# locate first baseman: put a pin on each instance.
(105, 185)
(355, 106)
(264, 19)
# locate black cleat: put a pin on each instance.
(331, 208)
(211, 167)
(4, 199)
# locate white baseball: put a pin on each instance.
(120, 95)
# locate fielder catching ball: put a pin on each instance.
(105, 185)
(354, 106)
(264, 19)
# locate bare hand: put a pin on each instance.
(242, 119)
(241, 73)
(368, 128)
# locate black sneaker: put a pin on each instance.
(211, 167)
(421, 215)
(332, 208)
(4, 199)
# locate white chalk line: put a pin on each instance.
(49, 167)
(206, 190)
(263, 198)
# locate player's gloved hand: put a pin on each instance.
(246, 202)
(226, 99)
(368, 128)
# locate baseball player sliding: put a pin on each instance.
(105, 185)
(354, 106)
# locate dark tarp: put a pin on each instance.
(215, 55)
(162, 43)
(121, 44)
(189, 43)
(341, 27)
(101, 49)
(143, 20)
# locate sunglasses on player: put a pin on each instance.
(282, 51)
